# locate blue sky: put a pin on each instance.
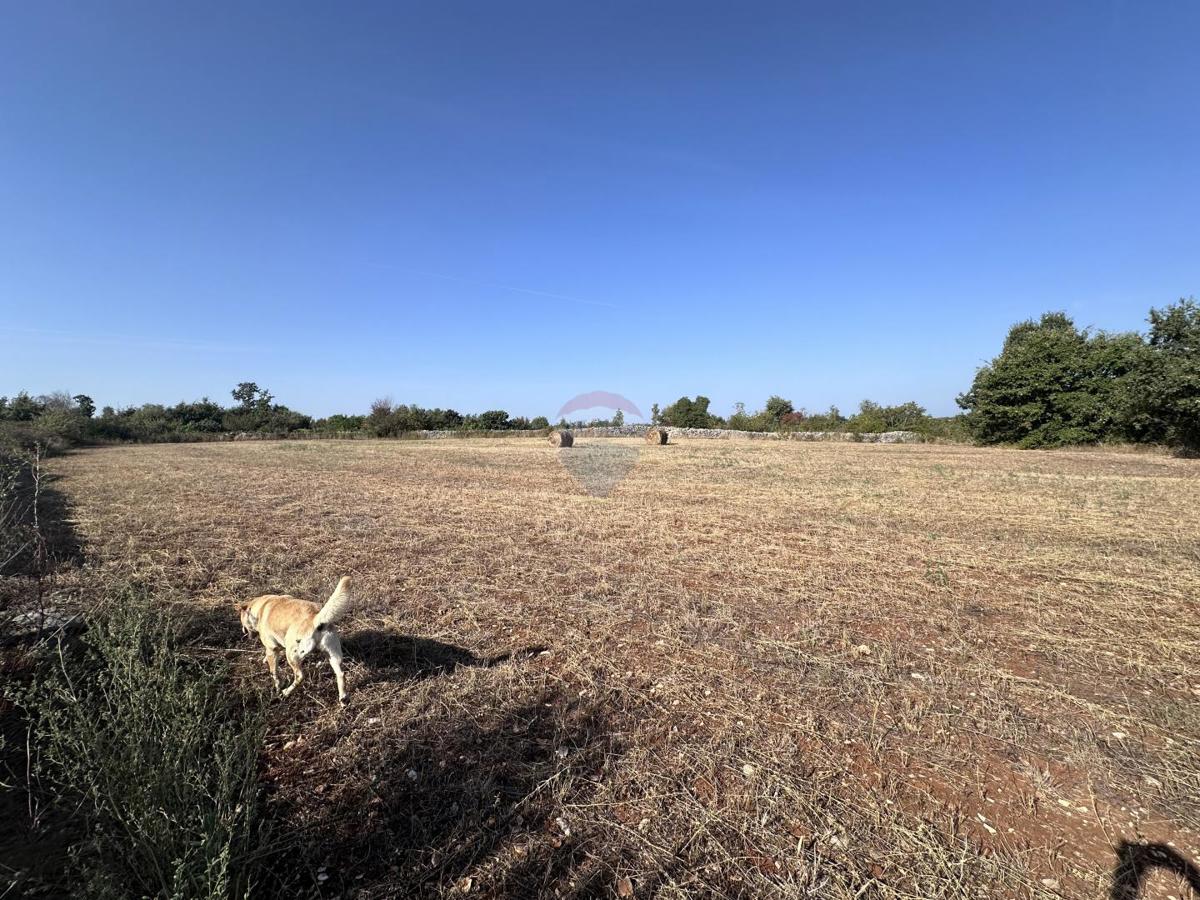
(485, 205)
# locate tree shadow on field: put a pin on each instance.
(391, 656)
(476, 797)
(1135, 862)
(36, 542)
(57, 519)
(37, 539)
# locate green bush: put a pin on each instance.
(872, 418)
(340, 423)
(154, 756)
(1041, 391)
(1054, 384)
(688, 413)
(1160, 400)
(830, 420)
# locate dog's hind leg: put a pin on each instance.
(273, 665)
(333, 647)
(297, 672)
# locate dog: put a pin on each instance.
(297, 627)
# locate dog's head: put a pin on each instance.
(249, 622)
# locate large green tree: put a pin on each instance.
(1052, 384)
(1161, 400)
(688, 413)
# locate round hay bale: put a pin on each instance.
(656, 436)
(561, 439)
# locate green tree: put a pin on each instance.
(1161, 401)
(250, 395)
(22, 408)
(688, 413)
(87, 408)
(777, 407)
(872, 417)
(1052, 384)
(493, 420)
(738, 419)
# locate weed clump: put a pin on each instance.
(155, 757)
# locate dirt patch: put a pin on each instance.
(828, 670)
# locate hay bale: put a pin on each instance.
(656, 436)
(561, 439)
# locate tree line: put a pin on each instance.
(1052, 384)
(780, 414)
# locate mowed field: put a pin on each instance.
(755, 669)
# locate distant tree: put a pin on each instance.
(447, 419)
(655, 414)
(1052, 384)
(24, 408)
(618, 418)
(85, 405)
(245, 393)
(777, 407)
(688, 413)
(200, 416)
(493, 420)
(248, 395)
(872, 417)
(340, 422)
(831, 420)
(738, 419)
(539, 422)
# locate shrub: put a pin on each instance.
(739, 419)
(688, 413)
(154, 757)
(830, 420)
(492, 420)
(339, 423)
(872, 417)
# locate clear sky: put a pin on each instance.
(505, 204)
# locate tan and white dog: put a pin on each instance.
(297, 627)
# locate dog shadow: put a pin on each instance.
(1135, 862)
(451, 794)
(391, 656)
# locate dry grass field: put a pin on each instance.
(754, 670)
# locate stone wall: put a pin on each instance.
(884, 437)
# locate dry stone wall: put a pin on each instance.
(883, 437)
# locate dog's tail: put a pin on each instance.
(337, 604)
